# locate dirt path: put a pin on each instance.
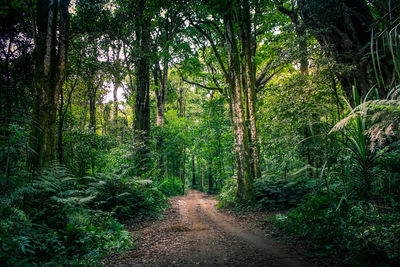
(195, 233)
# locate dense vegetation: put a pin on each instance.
(107, 107)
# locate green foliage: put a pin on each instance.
(63, 220)
(280, 194)
(227, 196)
(86, 151)
(124, 197)
(170, 186)
(387, 174)
(14, 151)
(369, 235)
(378, 120)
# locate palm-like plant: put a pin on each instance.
(374, 124)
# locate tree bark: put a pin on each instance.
(245, 191)
(161, 93)
(117, 84)
(142, 105)
(50, 54)
(247, 43)
(142, 73)
(193, 172)
(210, 176)
(92, 108)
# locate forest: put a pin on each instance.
(111, 109)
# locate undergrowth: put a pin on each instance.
(359, 229)
(271, 194)
(61, 220)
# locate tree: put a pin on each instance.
(343, 29)
(143, 17)
(235, 34)
(291, 10)
(51, 44)
(169, 24)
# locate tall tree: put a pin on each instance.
(142, 74)
(169, 23)
(239, 75)
(51, 43)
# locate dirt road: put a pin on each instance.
(194, 232)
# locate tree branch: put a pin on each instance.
(200, 85)
(217, 55)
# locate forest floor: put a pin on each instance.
(193, 232)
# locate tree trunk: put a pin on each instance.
(142, 104)
(210, 177)
(181, 103)
(117, 84)
(60, 131)
(193, 172)
(245, 191)
(142, 68)
(92, 108)
(202, 179)
(231, 13)
(161, 93)
(50, 65)
(183, 171)
(247, 43)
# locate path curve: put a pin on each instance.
(195, 233)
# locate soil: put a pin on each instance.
(193, 232)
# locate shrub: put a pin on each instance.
(279, 194)
(125, 197)
(228, 193)
(170, 186)
(50, 222)
(357, 228)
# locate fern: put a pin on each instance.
(383, 116)
(52, 221)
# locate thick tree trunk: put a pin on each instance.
(5, 103)
(247, 43)
(245, 191)
(50, 64)
(60, 131)
(142, 104)
(142, 73)
(342, 27)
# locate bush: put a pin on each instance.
(86, 151)
(52, 222)
(279, 194)
(357, 228)
(125, 197)
(170, 186)
(228, 193)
